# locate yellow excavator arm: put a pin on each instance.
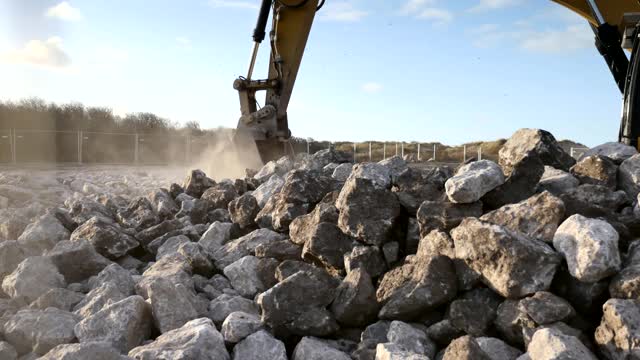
(614, 23)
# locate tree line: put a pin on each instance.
(37, 114)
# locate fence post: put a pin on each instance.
(464, 153)
(370, 152)
(80, 142)
(403, 149)
(309, 147)
(136, 155)
(571, 152)
(479, 153)
(396, 149)
(418, 151)
(384, 151)
(434, 152)
(14, 148)
(355, 151)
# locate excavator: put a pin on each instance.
(615, 23)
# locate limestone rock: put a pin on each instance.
(39, 331)
(473, 181)
(260, 346)
(42, 235)
(32, 278)
(124, 325)
(596, 170)
(590, 247)
(171, 307)
(510, 263)
(197, 339)
(618, 336)
(239, 325)
(107, 238)
(548, 344)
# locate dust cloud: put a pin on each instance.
(228, 159)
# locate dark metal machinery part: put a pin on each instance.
(630, 127)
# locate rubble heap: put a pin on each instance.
(316, 258)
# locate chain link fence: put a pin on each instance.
(81, 147)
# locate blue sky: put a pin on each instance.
(410, 70)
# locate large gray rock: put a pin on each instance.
(269, 188)
(197, 339)
(537, 143)
(216, 235)
(557, 181)
(197, 257)
(596, 170)
(473, 181)
(284, 308)
(106, 237)
(260, 346)
(537, 217)
(11, 255)
(626, 284)
(590, 247)
(510, 263)
(396, 165)
(547, 308)
(342, 172)
(77, 260)
(474, 312)
(464, 348)
(174, 268)
(497, 349)
(368, 211)
(368, 258)
(220, 195)
(170, 306)
(197, 183)
(139, 214)
(274, 167)
(162, 203)
(303, 227)
(302, 190)
(411, 339)
(614, 150)
(355, 303)
(97, 299)
(327, 246)
(310, 348)
(618, 336)
(7, 351)
(246, 245)
(391, 351)
(550, 344)
(377, 173)
(244, 210)
(409, 291)
(116, 274)
(171, 245)
(224, 305)
(414, 186)
(594, 201)
(124, 325)
(42, 235)
(238, 325)
(91, 350)
(523, 177)
(444, 215)
(62, 299)
(512, 320)
(245, 277)
(629, 176)
(39, 331)
(32, 278)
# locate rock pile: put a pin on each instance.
(314, 258)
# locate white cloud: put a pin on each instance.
(184, 41)
(486, 5)
(547, 41)
(372, 87)
(342, 11)
(424, 9)
(48, 53)
(437, 15)
(411, 7)
(239, 4)
(64, 11)
(555, 41)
